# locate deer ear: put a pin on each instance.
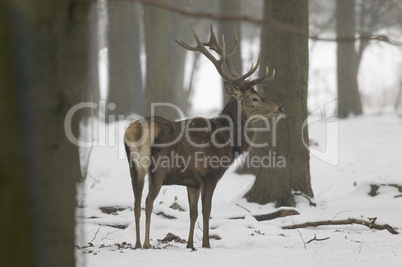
(232, 90)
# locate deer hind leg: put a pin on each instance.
(137, 179)
(206, 197)
(193, 196)
(138, 139)
(154, 188)
(137, 182)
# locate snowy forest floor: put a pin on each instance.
(370, 152)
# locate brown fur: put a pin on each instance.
(144, 136)
(222, 137)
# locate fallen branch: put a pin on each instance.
(371, 224)
(271, 216)
(374, 188)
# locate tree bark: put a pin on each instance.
(159, 87)
(179, 30)
(16, 226)
(288, 55)
(91, 90)
(349, 101)
(125, 76)
(226, 28)
(48, 62)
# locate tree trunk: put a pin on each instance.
(125, 77)
(49, 60)
(159, 87)
(347, 61)
(226, 28)
(289, 168)
(91, 90)
(16, 224)
(179, 29)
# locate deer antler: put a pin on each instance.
(239, 80)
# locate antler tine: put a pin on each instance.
(236, 44)
(188, 47)
(223, 54)
(250, 72)
(263, 79)
(197, 40)
(213, 43)
(229, 58)
(200, 48)
(233, 77)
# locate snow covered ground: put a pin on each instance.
(370, 152)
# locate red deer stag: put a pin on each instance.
(206, 150)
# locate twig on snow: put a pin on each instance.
(243, 208)
(317, 239)
(95, 235)
(304, 243)
(198, 224)
(340, 213)
(108, 233)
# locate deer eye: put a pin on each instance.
(255, 99)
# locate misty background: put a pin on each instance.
(123, 56)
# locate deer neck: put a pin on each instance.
(241, 137)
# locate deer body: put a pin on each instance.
(203, 149)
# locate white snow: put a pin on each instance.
(352, 154)
(370, 151)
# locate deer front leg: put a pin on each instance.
(206, 196)
(193, 196)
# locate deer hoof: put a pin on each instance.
(146, 246)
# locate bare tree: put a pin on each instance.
(373, 16)
(348, 94)
(125, 76)
(354, 18)
(91, 92)
(159, 88)
(46, 71)
(227, 28)
(288, 54)
(179, 30)
(16, 225)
